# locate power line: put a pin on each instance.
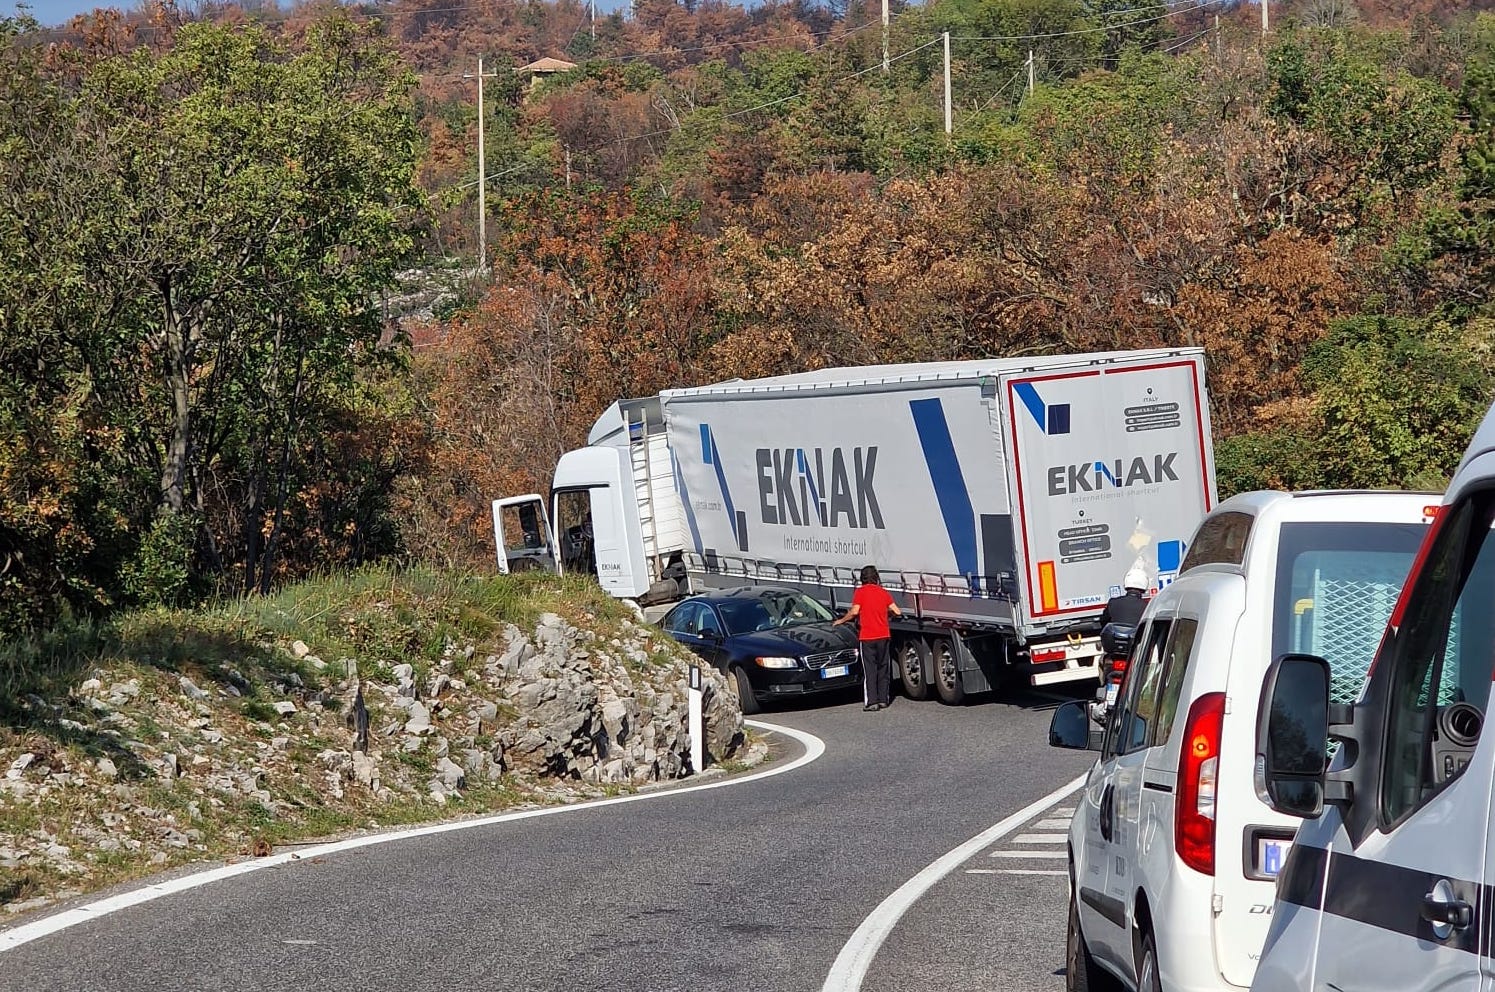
(1203, 4)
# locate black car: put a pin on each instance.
(775, 642)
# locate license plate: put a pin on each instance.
(1111, 689)
(835, 673)
(1270, 855)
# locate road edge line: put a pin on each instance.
(813, 746)
(856, 955)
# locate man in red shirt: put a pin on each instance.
(872, 603)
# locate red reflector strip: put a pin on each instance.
(1049, 655)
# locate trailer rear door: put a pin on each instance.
(1111, 464)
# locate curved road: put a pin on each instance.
(750, 887)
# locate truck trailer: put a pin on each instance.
(1002, 500)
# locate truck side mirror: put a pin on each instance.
(1072, 728)
(1292, 732)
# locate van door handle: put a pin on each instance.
(1454, 913)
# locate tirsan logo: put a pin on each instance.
(1095, 476)
(792, 488)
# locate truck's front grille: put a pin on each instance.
(844, 657)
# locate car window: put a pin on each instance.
(1175, 666)
(1441, 656)
(1113, 722)
(1336, 585)
(682, 619)
(1136, 708)
(708, 624)
(1220, 540)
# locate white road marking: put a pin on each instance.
(11, 939)
(1055, 823)
(1064, 811)
(1040, 838)
(1015, 871)
(1030, 854)
(300, 943)
(856, 956)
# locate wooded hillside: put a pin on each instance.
(201, 224)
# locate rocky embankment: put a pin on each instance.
(146, 765)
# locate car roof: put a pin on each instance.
(1330, 504)
(741, 592)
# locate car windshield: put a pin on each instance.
(1336, 586)
(770, 610)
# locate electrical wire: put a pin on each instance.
(1203, 4)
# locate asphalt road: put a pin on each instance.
(751, 887)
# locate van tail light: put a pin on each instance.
(1198, 772)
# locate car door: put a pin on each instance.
(684, 625)
(1102, 910)
(712, 635)
(1128, 825)
(1403, 901)
(1092, 853)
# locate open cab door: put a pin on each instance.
(522, 535)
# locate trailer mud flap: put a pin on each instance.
(979, 671)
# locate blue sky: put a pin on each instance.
(58, 11)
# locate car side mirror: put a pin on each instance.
(1072, 728)
(1292, 732)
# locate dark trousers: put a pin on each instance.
(877, 677)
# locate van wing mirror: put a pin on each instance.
(1292, 733)
(1071, 728)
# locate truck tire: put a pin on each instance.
(747, 701)
(913, 667)
(946, 671)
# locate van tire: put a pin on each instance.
(1148, 979)
(913, 667)
(946, 671)
(747, 700)
(1081, 973)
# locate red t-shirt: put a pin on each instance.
(874, 602)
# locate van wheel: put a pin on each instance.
(947, 672)
(912, 655)
(1081, 973)
(747, 701)
(1148, 979)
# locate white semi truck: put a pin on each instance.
(1002, 500)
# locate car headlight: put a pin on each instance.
(777, 662)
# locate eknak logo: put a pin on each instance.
(790, 494)
(1095, 476)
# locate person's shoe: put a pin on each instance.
(869, 708)
(879, 706)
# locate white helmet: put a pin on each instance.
(1136, 578)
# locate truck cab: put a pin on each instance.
(1388, 882)
(611, 512)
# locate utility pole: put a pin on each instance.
(592, 6)
(886, 20)
(1265, 24)
(482, 173)
(947, 82)
(1030, 72)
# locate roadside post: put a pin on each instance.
(697, 731)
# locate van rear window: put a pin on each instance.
(1336, 586)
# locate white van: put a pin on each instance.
(1389, 886)
(1172, 854)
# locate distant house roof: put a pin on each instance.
(548, 64)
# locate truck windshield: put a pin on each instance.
(770, 609)
(1336, 586)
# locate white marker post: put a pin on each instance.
(697, 731)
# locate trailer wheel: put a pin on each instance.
(947, 672)
(913, 659)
